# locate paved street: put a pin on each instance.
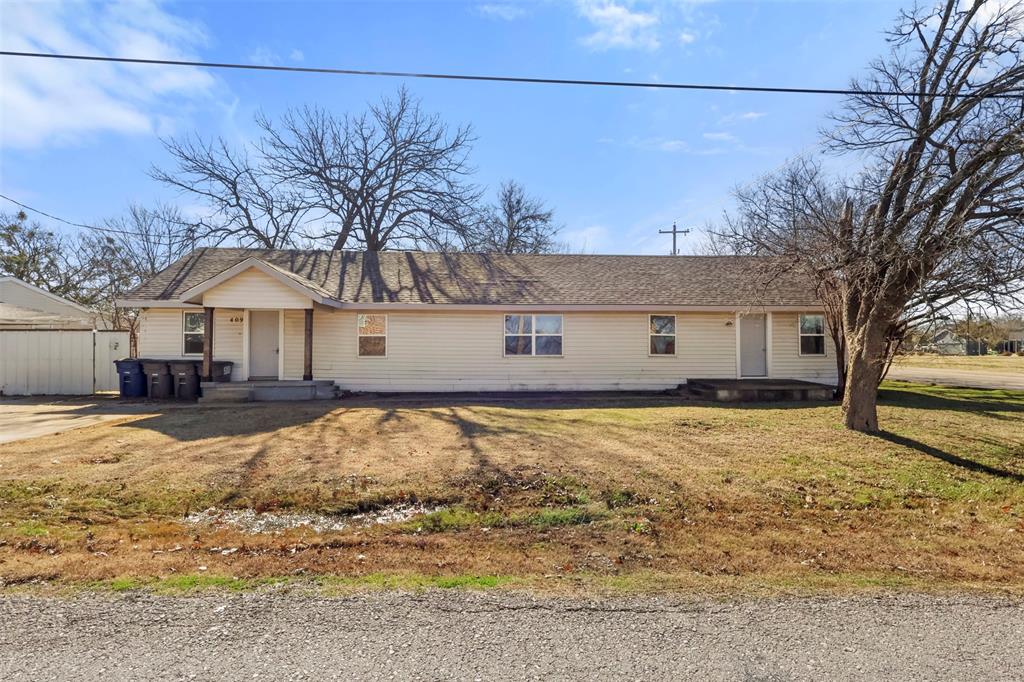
(453, 635)
(970, 378)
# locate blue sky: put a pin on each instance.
(78, 139)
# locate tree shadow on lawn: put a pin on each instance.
(237, 420)
(949, 457)
(989, 402)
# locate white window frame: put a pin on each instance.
(801, 335)
(533, 335)
(184, 314)
(360, 335)
(674, 335)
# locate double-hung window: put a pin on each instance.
(193, 330)
(533, 335)
(663, 334)
(372, 335)
(812, 334)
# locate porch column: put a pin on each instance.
(307, 349)
(208, 345)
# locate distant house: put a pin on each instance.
(24, 306)
(948, 342)
(416, 321)
(1014, 342)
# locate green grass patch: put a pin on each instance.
(32, 529)
(459, 519)
(188, 584)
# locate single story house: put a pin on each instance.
(419, 321)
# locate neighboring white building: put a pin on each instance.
(24, 306)
(52, 346)
(416, 321)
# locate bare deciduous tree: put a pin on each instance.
(937, 216)
(43, 258)
(249, 206)
(392, 176)
(138, 246)
(517, 223)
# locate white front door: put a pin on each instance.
(753, 346)
(263, 344)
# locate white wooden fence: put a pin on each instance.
(60, 362)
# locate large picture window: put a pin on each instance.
(663, 334)
(533, 335)
(373, 335)
(193, 329)
(812, 335)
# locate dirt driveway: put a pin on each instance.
(23, 418)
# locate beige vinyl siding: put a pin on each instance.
(254, 289)
(160, 336)
(294, 340)
(453, 351)
(228, 337)
(445, 350)
(787, 363)
(160, 333)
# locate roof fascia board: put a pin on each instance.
(153, 303)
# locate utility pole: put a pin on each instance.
(674, 232)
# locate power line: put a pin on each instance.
(496, 79)
(81, 225)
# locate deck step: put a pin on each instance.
(226, 393)
(758, 390)
(245, 391)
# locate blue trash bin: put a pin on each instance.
(131, 380)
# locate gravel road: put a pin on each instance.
(455, 635)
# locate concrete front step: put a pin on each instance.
(323, 389)
(758, 390)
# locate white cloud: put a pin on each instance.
(741, 116)
(59, 102)
(500, 10)
(687, 37)
(618, 26)
(672, 145)
(591, 239)
(296, 55)
(720, 137)
(263, 56)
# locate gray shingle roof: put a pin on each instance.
(499, 279)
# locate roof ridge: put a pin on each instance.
(482, 253)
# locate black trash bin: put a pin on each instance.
(131, 380)
(186, 380)
(222, 370)
(158, 379)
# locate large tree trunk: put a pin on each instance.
(866, 348)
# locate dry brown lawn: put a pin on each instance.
(618, 492)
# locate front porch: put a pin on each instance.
(258, 391)
(758, 390)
